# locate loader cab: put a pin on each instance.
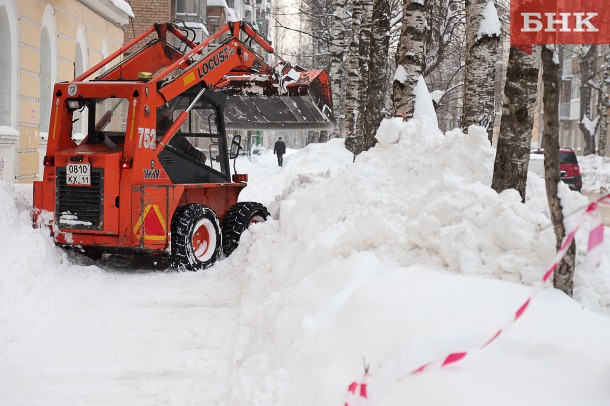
(106, 121)
(197, 153)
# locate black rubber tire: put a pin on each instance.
(184, 224)
(93, 253)
(237, 220)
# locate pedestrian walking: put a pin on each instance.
(279, 149)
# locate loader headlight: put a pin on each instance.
(73, 104)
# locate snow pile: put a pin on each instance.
(267, 181)
(349, 269)
(424, 108)
(29, 256)
(490, 24)
(401, 74)
(595, 172)
(590, 125)
(401, 257)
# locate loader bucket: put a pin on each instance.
(305, 105)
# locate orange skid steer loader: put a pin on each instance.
(153, 172)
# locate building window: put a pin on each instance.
(575, 88)
(5, 69)
(188, 10)
(45, 80)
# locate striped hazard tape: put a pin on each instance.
(594, 251)
(356, 392)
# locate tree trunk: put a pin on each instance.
(375, 84)
(338, 50)
(364, 42)
(353, 72)
(603, 105)
(410, 56)
(588, 70)
(480, 75)
(514, 141)
(563, 277)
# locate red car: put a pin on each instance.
(568, 165)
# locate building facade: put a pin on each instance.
(43, 42)
(147, 13)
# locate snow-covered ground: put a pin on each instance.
(596, 173)
(399, 258)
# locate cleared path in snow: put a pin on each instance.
(114, 337)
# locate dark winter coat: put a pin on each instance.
(279, 148)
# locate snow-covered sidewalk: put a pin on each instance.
(110, 337)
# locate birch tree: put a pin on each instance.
(514, 140)
(482, 39)
(338, 50)
(364, 51)
(588, 126)
(604, 104)
(356, 105)
(563, 277)
(410, 56)
(374, 97)
(353, 71)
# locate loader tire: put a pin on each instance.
(196, 238)
(93, 253)
(237, 220)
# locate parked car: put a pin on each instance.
(568, 166)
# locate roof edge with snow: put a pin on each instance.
(8, 132)
(117, 11)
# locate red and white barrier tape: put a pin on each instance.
(596, 239)
(356, 392)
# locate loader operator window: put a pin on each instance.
(107, 121)
(198, 138)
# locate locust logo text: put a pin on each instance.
(214, 61)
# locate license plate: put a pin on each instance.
(78, 174)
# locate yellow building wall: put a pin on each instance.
(69, 16)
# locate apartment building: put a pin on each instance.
(43, 42)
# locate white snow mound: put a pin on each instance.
(321, 273)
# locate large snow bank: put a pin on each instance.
(401, 257)
(268, 181)
(595, 173)
(29, 257)
(347, 270)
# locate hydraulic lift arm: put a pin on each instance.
(212, 68)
